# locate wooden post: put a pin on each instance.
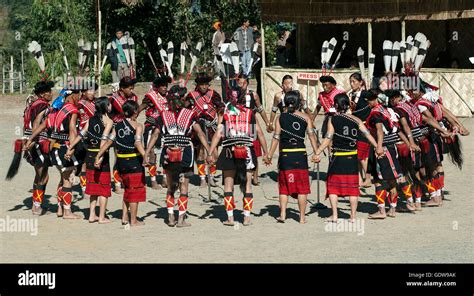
(98, 74)
(369, 45)
(403, 30)
(3, 79)
(262, 71)
(22, 80)
(11, 75)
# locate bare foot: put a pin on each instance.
(229, 222)
(39, 211)
(70, 215)
(418, 206)
(303, 221)
(378, 215)
(60, 211)
(434, 202)
(155, 185)
(411, 206)
(391, 212)
(182, 222)
(93, 219)
(171, 220)
(247, 221)
(281, 219)
(367, 183)
(105, 221)
(137, 223)
(332, 219)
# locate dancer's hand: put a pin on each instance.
(98, 162)
(69, 154)
(415, 148)
(463, 131)
(267, 160)
(210, 159)
(269, 128)
(379, 152)
(28, 145)
(316, 158)
(145, 162)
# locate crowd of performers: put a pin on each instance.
(393, 139)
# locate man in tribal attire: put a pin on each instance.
(35, 113)
(155, 103)
(62, 126)
(176, 125)
(238, 129)
(118, 98)
(207, 104)
(386, 170)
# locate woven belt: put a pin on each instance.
(294, 150)
(340, 153)
(93, 149)
(127, 155)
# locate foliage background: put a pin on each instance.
(52, 21)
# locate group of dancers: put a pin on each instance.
(392, 138)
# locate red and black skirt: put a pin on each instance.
(343, 174)
(363, 148)
(133, 177)
(38, 155)
(387, 167)
(293, 176)
(98, 180)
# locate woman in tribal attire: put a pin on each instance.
(289, 135)
(97, 179)
(343, 175)
(130, 153)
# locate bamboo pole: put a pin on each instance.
(11, 75)
(262, 70)
(98, 73)
(369, 45)
(403, 31)
(22, 80)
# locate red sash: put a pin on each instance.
(379, 109)
(27, 116)
(434, 108)
(326, 100)
(55, 119)
(414, 114)
(201, 100)
(158, 100)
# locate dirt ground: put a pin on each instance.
(434, 235)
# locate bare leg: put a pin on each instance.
(133, 214)
(125, 206)
(182, 216)
(367, 182)
(255, 176)
(283, 205)
(333, 201)
(93, 203)
(41, 179)
(103, 208)
(302, 202)
(68, 214)
(229, 176)
(171, 187)
(248, 189)
(354, 200)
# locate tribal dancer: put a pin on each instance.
(237, 128)
(98, 179)
(207, 104)
(128, 137)
(343, 176)
(35, 113)
(289, 135)
(176, 125)
(155, 103)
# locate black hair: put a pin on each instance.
(370, 94)
(287, 76)
(126, 82)
(42, 87)
(101, 105)
(392, 93)
(243, 76)
(292, 100)
(256, 35)
(357, 76)
(341, 102)
(129, 108)
(329, 79)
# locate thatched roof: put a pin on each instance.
(346, 11)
